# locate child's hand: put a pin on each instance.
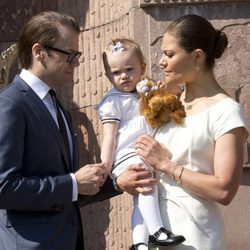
(106, 171)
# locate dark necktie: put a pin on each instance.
(61, 122)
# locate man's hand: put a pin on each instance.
(90, 178)
(136, 180)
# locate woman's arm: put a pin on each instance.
(109, 144)
(228, 162)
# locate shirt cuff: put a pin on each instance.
(115, 185)
(74, 189)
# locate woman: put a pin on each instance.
(205, 155)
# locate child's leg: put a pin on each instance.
(149, 208)
(146, 216)
(139, 228)
(145, 206)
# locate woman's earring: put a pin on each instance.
(197, 68)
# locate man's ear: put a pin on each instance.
(38, 51)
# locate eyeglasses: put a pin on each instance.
(71, 55)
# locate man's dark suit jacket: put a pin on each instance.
(36, 208)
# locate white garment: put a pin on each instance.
(123, 108)
(192, 145)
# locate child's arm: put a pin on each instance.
(110, 130)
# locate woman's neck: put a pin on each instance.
(205, 86)
(201, 94)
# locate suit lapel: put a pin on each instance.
(41, 111)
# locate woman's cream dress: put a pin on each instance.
(192, 145)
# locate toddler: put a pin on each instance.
(122, 125)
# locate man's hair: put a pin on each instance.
(42, 28)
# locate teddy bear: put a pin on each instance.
(158, 106)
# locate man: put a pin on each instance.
(39, 181)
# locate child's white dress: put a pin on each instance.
(123, 108)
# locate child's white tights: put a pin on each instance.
(146, 218)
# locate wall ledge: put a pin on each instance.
(149, 3)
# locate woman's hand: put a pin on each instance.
(155, 154)
(172, 88)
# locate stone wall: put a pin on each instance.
(107, 224)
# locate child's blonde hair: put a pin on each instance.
(125, 44)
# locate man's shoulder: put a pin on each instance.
(13, 88)
(11, 94)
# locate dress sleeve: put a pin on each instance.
(228, 118)
(109, 110)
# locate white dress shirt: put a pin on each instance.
(42, 91)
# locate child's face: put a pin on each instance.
(124, 70)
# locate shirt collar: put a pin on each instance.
(115, 91)
(37, 85)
